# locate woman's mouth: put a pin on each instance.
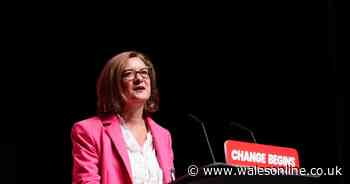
(139, 88)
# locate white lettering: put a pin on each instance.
(247, 156)
(280, 160)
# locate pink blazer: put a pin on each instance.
(100, 155)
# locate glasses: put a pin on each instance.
(130, 74)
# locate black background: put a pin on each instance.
(268, 66)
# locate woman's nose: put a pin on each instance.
(137, 78)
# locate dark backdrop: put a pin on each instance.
(270, 68)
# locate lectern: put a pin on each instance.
(238, 153)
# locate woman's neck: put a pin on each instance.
(133, 114)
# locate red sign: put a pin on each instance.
(246, 154)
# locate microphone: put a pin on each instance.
(233, 123)
(205, 134)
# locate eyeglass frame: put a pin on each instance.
(135, 72)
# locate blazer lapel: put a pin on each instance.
(115, 133)
(159, 145)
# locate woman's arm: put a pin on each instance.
(85, 157)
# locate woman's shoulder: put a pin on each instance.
(88, 124)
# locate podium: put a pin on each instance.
(204, 178)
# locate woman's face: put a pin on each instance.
(136, 81)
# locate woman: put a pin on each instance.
(123, 144)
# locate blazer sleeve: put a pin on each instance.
(85, 157)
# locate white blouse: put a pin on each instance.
(145, 168)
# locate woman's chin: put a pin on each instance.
(140, 98)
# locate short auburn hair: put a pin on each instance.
(109, 85)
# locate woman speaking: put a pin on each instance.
(122, 144)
